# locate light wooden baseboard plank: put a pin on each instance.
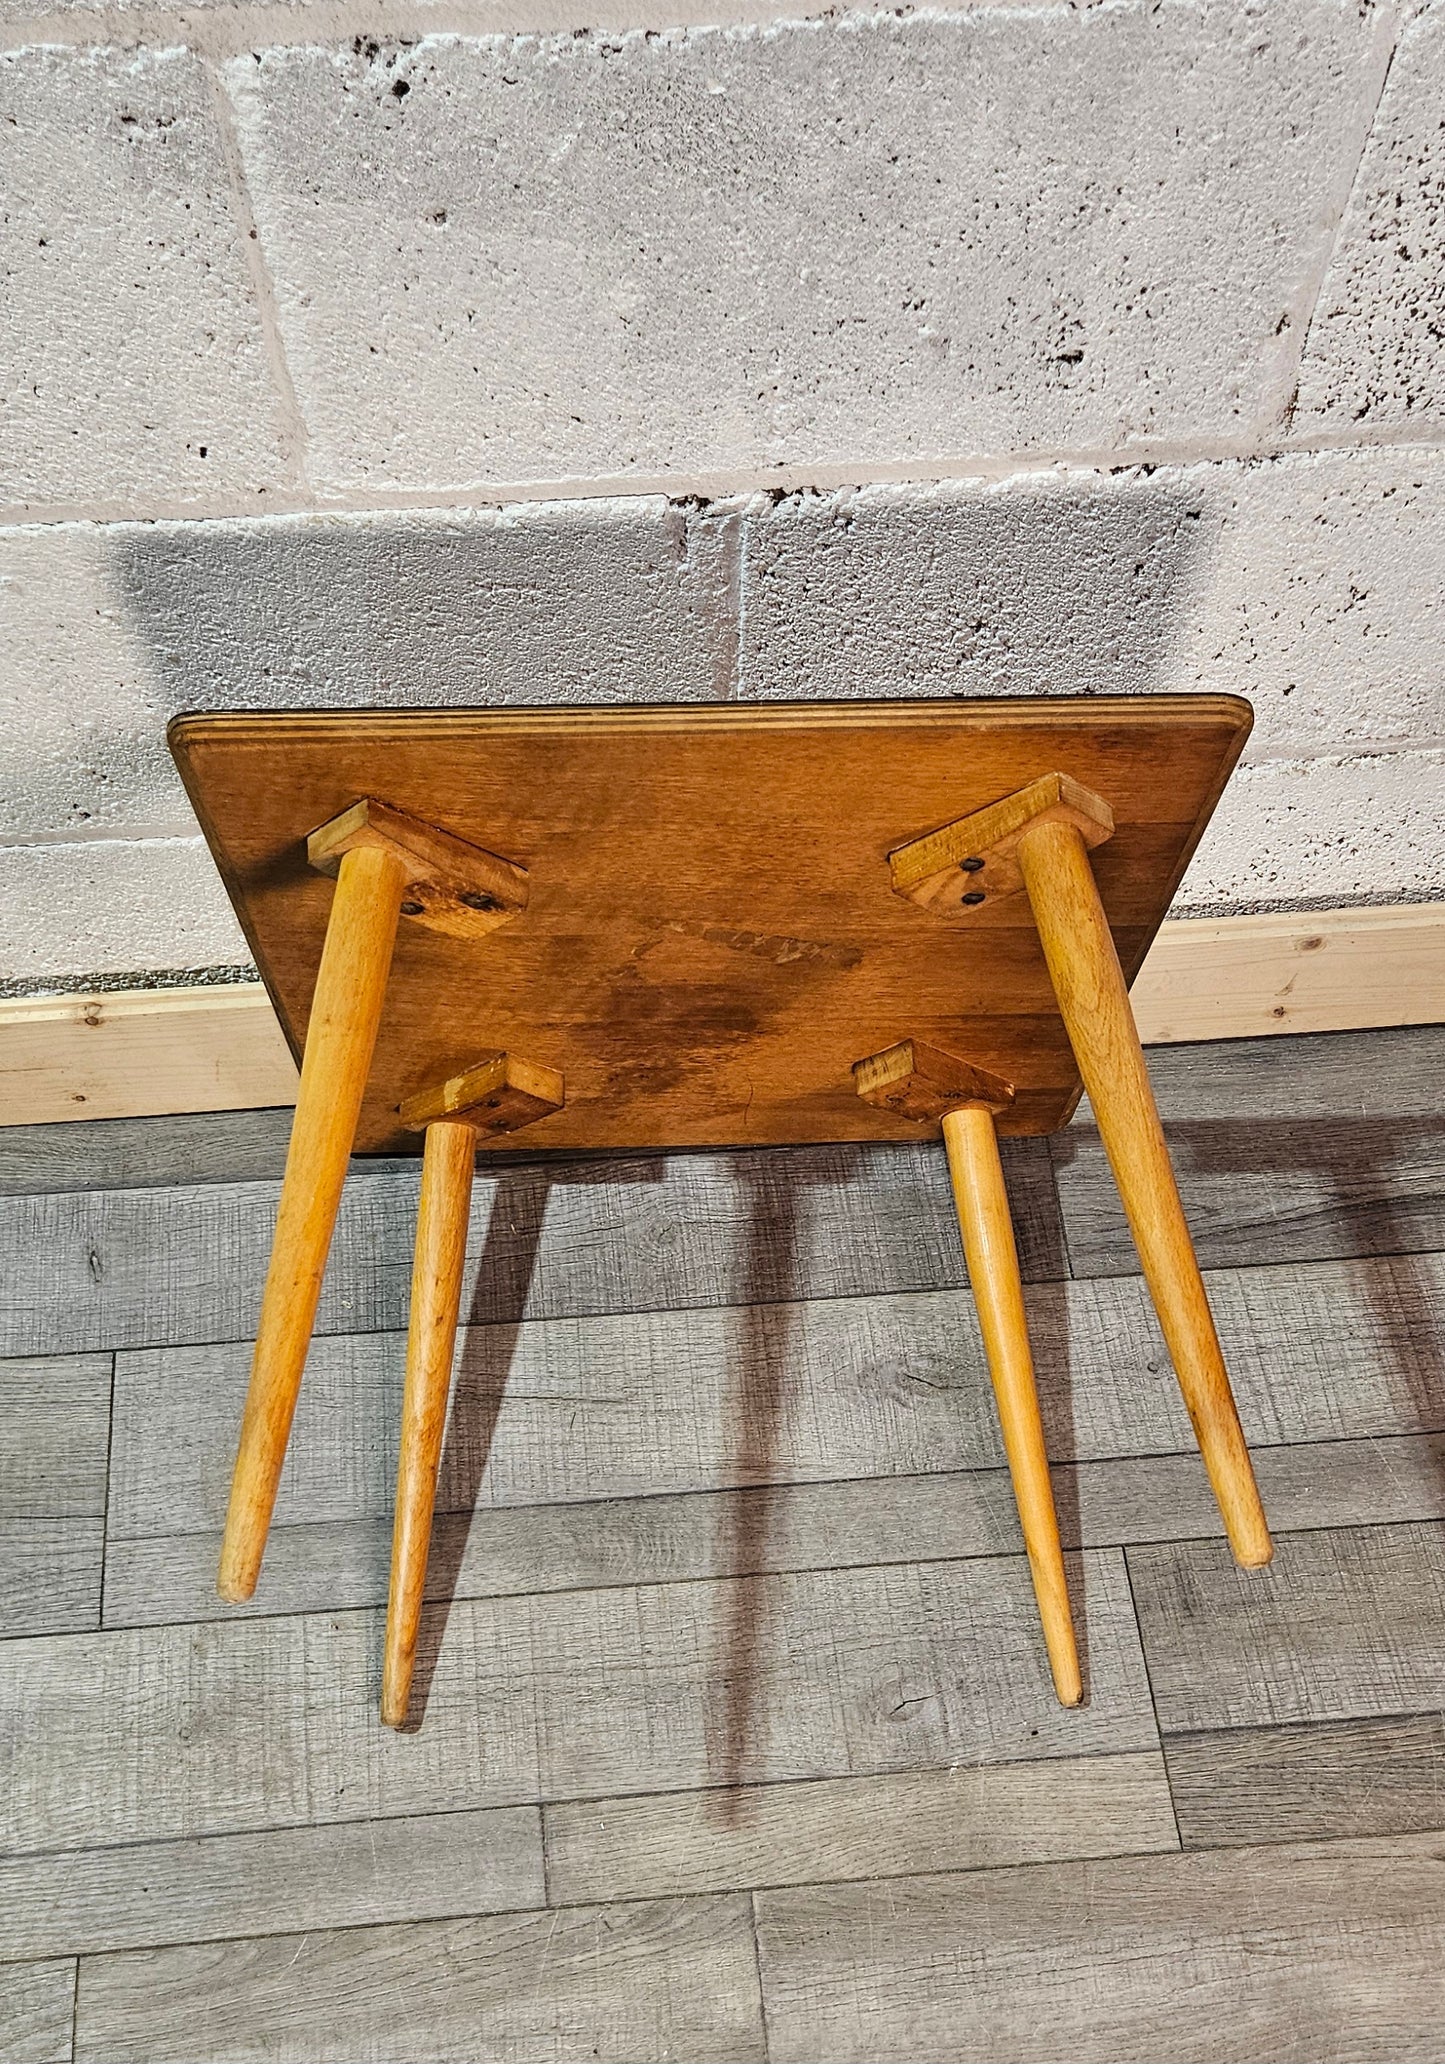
(147, 1052)
(142, 1053)
(1311, 971)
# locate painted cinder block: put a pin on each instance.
(80, 732)
(128, 327)
(1044, 583)
(1322, 601)
(111, 630)
(862, 239)
(1309, 584)
(124, 906)
(1375, 357)
(1321, 832)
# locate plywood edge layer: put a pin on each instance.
(203, 727)
(149, 1052)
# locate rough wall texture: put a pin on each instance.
(506, 357)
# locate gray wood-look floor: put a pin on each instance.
(733, 1735)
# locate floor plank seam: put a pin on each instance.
(1153, 1701)
(545, 1846)
(758, 1972)
(1211, 1269)
(105, 1498)
(1060, 1215)
(1248, 1727)
(1343, 1526)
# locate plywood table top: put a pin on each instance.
(712, 937)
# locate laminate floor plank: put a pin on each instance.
(37, 2006)
(1378, 1073)
(1286, 1150)
(146, 1267)
(54, 1431)
(1327, 1955)
(565, 1409)
(50, 1575)
(1309, 1783)
(858, 1827)
(54, 1438)
(503, 1551)
(289, 1881)
(144, 1153)
(119, 1268)
(642, 1404)
(672, 1978)
(137, 1735)
(1344, 1624)
(499, 1551)
(1158, 1498)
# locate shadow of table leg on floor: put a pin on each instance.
(754, 1414)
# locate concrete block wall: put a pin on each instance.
(458, 351)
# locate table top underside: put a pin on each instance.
(711, 937)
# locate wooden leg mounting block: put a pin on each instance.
(723, 926)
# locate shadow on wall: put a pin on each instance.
(1059, 585)
(1062, 584)
(573, 602)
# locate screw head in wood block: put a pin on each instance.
(500, 1094)
(452, 886)
(924, 1082)
(970, 863)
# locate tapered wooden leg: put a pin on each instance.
(499, 1095)
(1089, 984)
(342, 1033)
(993, 1270)
(436, 1288)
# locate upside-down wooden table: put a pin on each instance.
(711, 926)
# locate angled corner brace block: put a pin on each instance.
(938, 1088)
(924, 1083)
(975, 860)
(387, 865)
(500, 1094)
(448, 884)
